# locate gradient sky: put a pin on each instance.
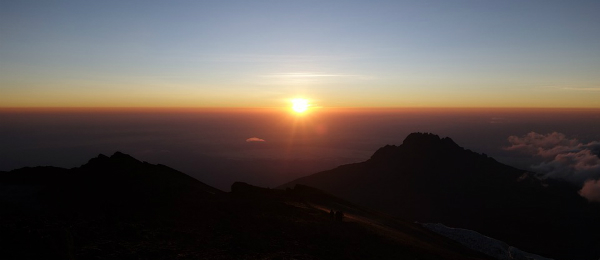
(336, 53)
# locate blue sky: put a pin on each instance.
(336, 53)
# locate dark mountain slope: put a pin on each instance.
(300, 218)
(432, 179)
(119, 181)
(120, 208)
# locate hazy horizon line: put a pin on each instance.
(284, 107)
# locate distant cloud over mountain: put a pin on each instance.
(591, 190)
(255, 139)
(564, 158)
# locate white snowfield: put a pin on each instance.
(478, 242)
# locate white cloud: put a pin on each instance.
(573, 166)
(591, 190)
(255, 139)
(564, 158)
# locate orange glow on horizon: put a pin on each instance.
(286, 110)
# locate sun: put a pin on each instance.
(300, 105)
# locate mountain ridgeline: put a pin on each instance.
(433, 180)
(118, 207)
(119, 182)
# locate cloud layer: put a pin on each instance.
(591, 190)
(564, 158)
(255, 139)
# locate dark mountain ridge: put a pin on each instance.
(116, 181)
(120, 208)
(432, 179)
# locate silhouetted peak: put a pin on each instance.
(98, 160)
(101, 157)
(427, 140)
(118, 158)
(420, 137)
(417, 143)
(121, 157)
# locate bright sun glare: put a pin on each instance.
(299, 105)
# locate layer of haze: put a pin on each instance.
(269, 147)
(336, 53)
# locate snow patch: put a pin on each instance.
(478, 242)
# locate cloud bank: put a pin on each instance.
(255, 139)
(591, 190)
(564, 158)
